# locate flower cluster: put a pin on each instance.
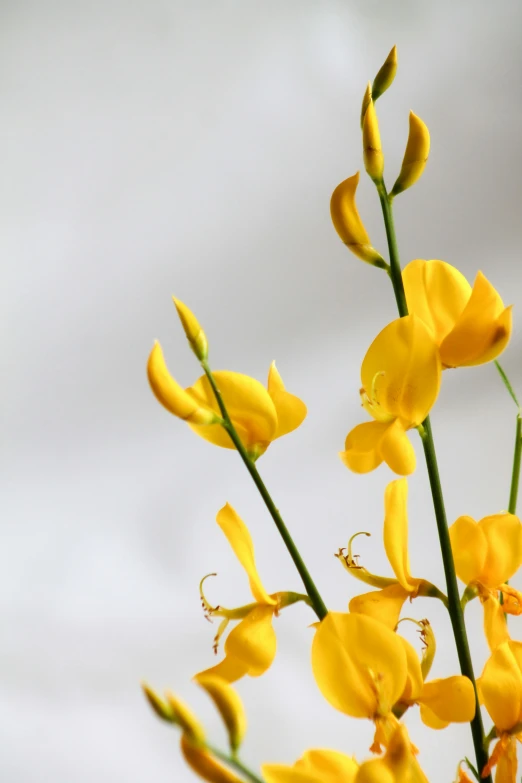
(362, 664)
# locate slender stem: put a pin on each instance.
(234, 762)
(507, 384)
(312, 591)
(454, 606)
(515, 475)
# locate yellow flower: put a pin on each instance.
(315, 766)
(470, 325)
(251, 647)
(500, 690)
(398, 765)
(229, 705)
(400, 377)
(259, 415)
(386, 604)
(349, 225)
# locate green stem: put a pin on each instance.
(234, 762)
(507, 384)
(454, 606)
(515, 475)
(312, 591)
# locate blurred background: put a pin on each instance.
(191, 148)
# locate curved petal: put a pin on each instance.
(361, 452)
(507, 763)
(358, 664)
(501, 687)
(229, 669)
(253, 641)
(470, 549)
(383, 605)
(282, 773)
(249, 406)
(396, 450)
(401, 370)
(396, 532)
(291, 411)
(437, 293)
(495, 625)
(241, 542)
(397, 765)
(503, 534)
(430, 720)
(348, 223)
(329, 765)
(452, 699)
(481, 332)
(414, 682)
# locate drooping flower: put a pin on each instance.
(386, 604)
(250, 648)
(400, 377)
(470, 325)
(314, 766)
(259, 415)
(486, 555)
(500, 690)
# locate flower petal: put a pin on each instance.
(361, 452)
(495, 625)
(358, 664)
(241, 542)
(470, 549)
(503, 534)
(430, 719)
(401, 370)
(396, 532)
(396, 450)
(452, 699)
(291, 411)
(253, 641)
(501, 686)
(482, 331)
(249, 406)
(229, 669)
(437, 293)
(414, 682)
(330, 765)
(383, 605)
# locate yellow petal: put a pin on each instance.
(507, 764)
(330, 765)
(249, 406)
(282, 773)
(396, 766)
(229, 669)
(396, 450)
(204, 765)
(160, 707)
(495, 625)
(396, 532)
(290, 410)
(414, 681)
(452, 699)
(253, 641)
(482, 331)
(173, 397)
(229, 705)
(383, 605)
(415, 155)
(195, 334)
(430, 719)
(241, 542)
(372, 150)
(501, 686)
(401, 370)
(361, 452)
(348, 224)
(503, 534)
(358, 664)
(437, 292)
(185, 718)
(470, 549)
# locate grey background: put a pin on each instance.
(191, 148)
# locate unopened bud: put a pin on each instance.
(372, 150)
(229, 705)
(195, 334)
(186, 720)
(205, 765)
(415, 156)
(348, 224)
(160, 707)
(367, 99)
(386, 75)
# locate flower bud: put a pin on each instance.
(171, 395)
(161, 708)
(367, 98)
(195, 334)
(186, 720)
(372, 150)
(204, 765)
(348, 224)
(229, 705)
(415, 156)
(386, 75)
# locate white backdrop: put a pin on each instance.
(190, 148)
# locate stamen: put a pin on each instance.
(208, 609)
(351, 559)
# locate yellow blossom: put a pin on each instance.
(193, 330)
(398, 765)
(349, 225)
(259, 415)
(229, 705)
(250, 648)
(400, 377)
(500, 690)
(415, 155)
(315, 766)
(386, 604)
(470, 325)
